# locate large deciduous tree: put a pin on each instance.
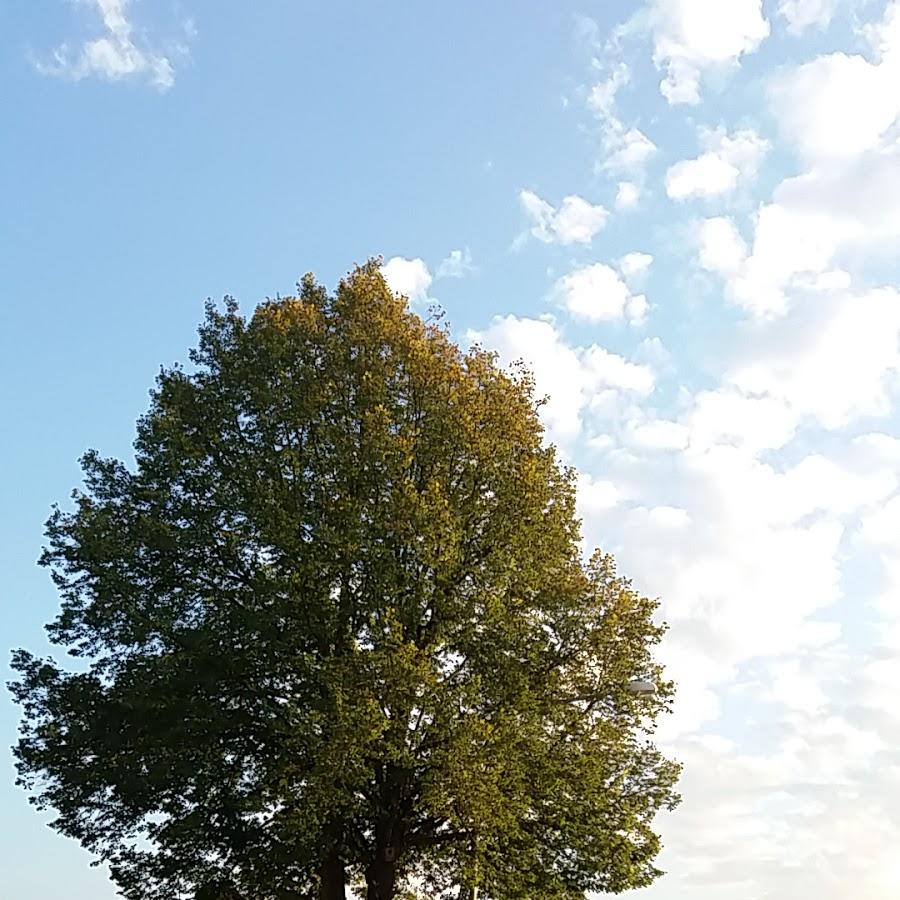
(337, 630)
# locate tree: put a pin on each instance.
(336, 627)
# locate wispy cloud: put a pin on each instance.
(803, 14)
(626, 150)
(457, 264)
(119, 52)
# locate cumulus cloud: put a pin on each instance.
(595, 495)
(738, 512)
(746, 554)
(737, 491)
(656, 434)
(731, 542)
(571, 377)
(708, 175)
(729, 416)
(727, 158)
(634, 266)
(691, 37)
(851, 202)
(576, 221)
(736, 542)
(838, 105)
(833, 361)
(597, 293)
(721, 247)
(788, 243)
(408, 277)
(845, 208)
(114, 55)
(628, 195)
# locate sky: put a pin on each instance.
(682, 214)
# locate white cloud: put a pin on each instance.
(833, 361)
(840, 105)
(735, 584)
(746, 556)
(114, 55)
(691, 37)
(669, 516)
(457, 264)
(609, 370)
(572, 378)
(802, 14)
(811, 818)
(628, 195)
(729, 416)
(636, 309)
(708, 175)
(634, 266)
(657, 434)
(721, 248)
(747, 506)
(813, 222)
(697, 512)
(755, 545)
(575, 222)
(788, 242)
(717, 171)
(408, 277)
(817, 219)
(796, 688)
(882, 527)
(836, 106)
(878, 448)
(597, 293)
(850, 488)
(732, 504)
(716, 593)
(728, 502)
(626, 149)
(841, 113)
(875, 531)
(602, 97)
(596, 495)
(853, 201)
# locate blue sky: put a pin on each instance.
(681, 213)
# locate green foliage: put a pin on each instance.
(338, 626)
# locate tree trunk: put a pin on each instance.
(381, 878)
(333, 878)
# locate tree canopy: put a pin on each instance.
(336, 629)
